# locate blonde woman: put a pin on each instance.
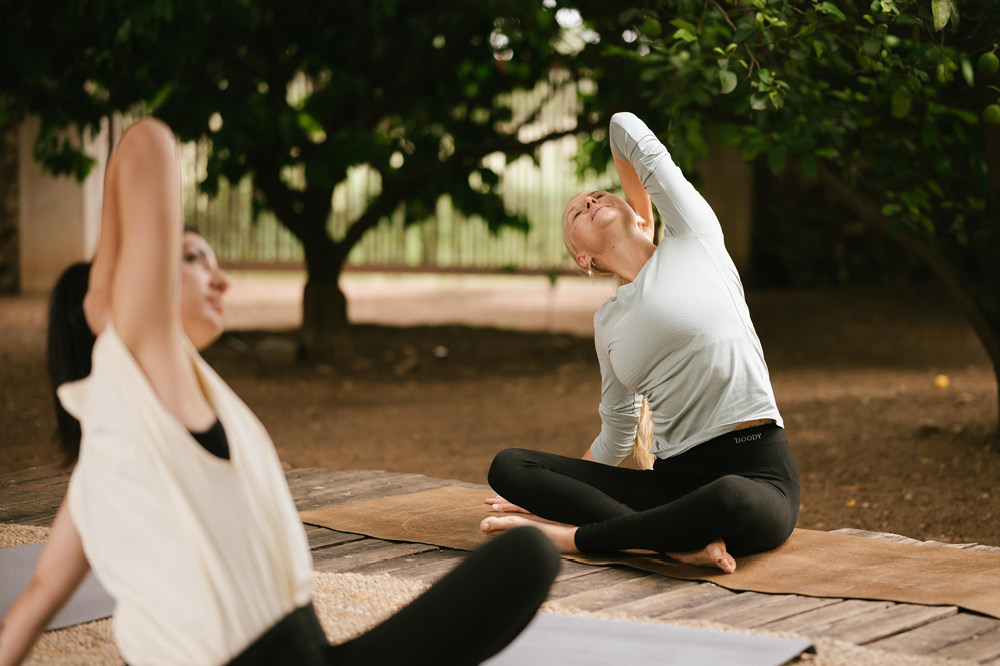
(677, 332)
(178, 500)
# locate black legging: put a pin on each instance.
(741, 487)
(465, 618)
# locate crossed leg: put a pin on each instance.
(691, 518)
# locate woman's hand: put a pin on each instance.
(501, 505)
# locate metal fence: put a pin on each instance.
(446, 242)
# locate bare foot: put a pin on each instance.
(712, 555)
(563, 536)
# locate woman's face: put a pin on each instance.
(202, 286)
(591, 218)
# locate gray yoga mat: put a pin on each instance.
(17, 564)
(554, 640)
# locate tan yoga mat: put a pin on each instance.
(810, 563)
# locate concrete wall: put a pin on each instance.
(59, 218)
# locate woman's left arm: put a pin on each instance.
(681, 207)
(635, 193)
(60, 570)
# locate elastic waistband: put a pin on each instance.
(762, 433)
(733, 443)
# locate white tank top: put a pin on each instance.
(202, 555)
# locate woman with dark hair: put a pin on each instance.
(678, 334)
(70, 341)
(68, 347)
(178, 501)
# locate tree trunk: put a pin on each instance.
(10, 272)
(325, 332)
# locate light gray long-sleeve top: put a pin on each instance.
(680, 333)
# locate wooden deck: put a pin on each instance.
(33, 496)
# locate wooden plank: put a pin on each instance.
(938, 635)
(620, 593)
(301, 481)
(821, 619)
(982, 648)
(738, 603)
(321, 537)
(707, 594)
(428, 566)
(31, 477)
(364, 490)
(882, 623)
(42, 512)
(357, 554)
(593, 578)
(681, 595)
(780, 607)
(54, 491)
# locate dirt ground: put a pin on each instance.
(511, 363)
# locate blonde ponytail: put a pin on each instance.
(640, 457)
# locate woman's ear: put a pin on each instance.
(583, 260)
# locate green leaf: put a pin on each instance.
(967, 72)
(758, 101)
(728, 81)
(890, 209)
(681, 23)
(684, 34)
(831, 9)
(941, 12)
(652, 28)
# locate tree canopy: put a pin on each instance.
(294, 95)
(891, 105)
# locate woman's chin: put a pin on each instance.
(206, 331)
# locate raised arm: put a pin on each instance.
(635, 194)
(139, 262)
(60, 569)
(682, 208)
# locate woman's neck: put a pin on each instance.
(628, 258)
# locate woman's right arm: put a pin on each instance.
(619, 410)
(97, 302)
(143, 210)
(60, 570)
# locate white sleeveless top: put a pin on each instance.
(202, 555)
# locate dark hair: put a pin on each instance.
(69, 346)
